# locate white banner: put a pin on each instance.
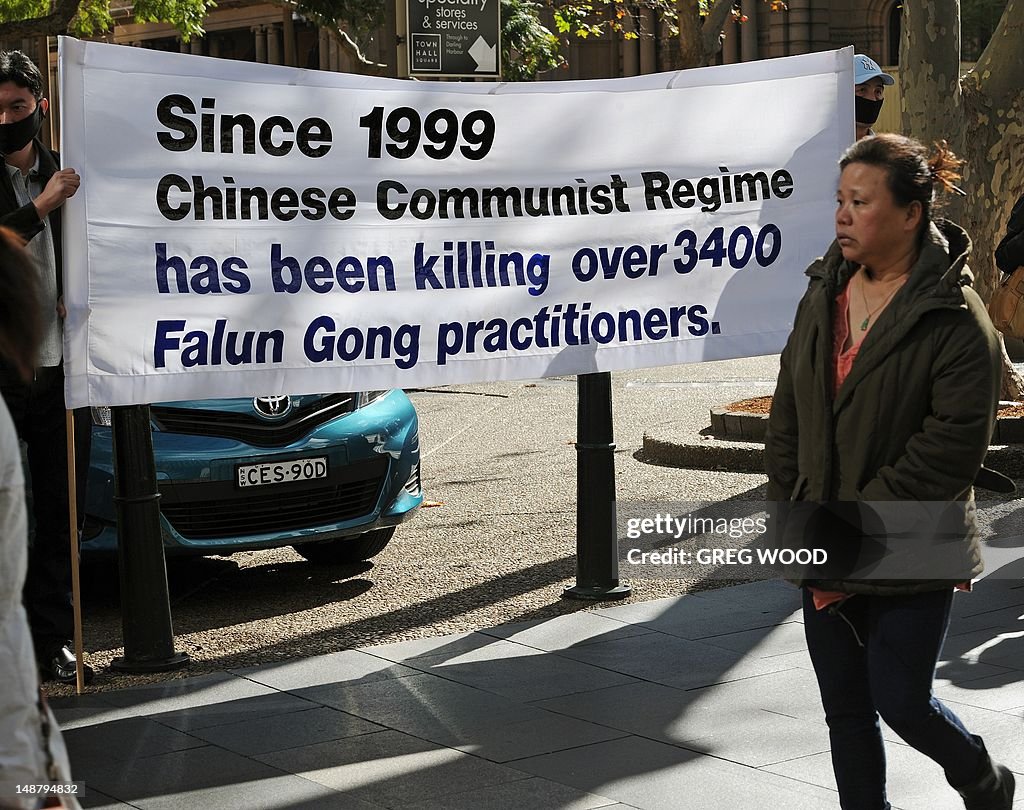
(251, 229)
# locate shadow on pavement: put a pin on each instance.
(705, 701)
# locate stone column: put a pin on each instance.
(325, 50)
(731, 45)
(748, 31)
(778, 28)
(630, 47)
(288, 34)
(648, 42)
(346, 62)
(799, 27)
(332, 50)
(273, 45)
(260, 34)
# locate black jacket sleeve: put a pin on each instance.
(1010, 251)
(781, 439)
(24, 221)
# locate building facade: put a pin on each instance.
(265, 32)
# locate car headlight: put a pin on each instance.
(364, 398)
(101, 416)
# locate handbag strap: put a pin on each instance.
(1016, 279)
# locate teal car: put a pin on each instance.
(330, 474)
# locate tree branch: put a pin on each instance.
(711, 31)
(345, 42)
(51, 25)
(350, 46)
(1001, 66)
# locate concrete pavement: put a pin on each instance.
(704, 701)
(694, 702)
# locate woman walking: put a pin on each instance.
(887, 392)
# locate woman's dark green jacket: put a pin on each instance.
(913, 419)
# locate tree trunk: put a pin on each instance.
(930, 70)
(700, 39)
(691, 41)
(982, 118)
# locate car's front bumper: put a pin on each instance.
(373, 481)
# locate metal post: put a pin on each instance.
(145, 604)
(597, 557)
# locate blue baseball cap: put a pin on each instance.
(865, 68)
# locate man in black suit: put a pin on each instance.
(32, 191)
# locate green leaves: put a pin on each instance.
(186, 15)
(93, 18)
(528, 48)
(360, 18)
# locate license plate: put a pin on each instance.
(282, 472)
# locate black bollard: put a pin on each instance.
(145, 604)
(597, 548)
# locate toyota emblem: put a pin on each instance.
(272, 407)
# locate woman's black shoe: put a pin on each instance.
(992, 790)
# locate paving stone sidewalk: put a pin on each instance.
(704, 701)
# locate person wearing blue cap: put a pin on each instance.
(870, 82)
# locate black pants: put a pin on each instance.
(876, 655)
(39, 416)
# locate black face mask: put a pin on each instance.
(866, 110)
(16, 136)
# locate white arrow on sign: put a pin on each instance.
(485, 56)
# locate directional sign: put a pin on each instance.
(454, 37)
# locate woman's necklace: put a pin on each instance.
(873, 312)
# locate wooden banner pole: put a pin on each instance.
(76, 592)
